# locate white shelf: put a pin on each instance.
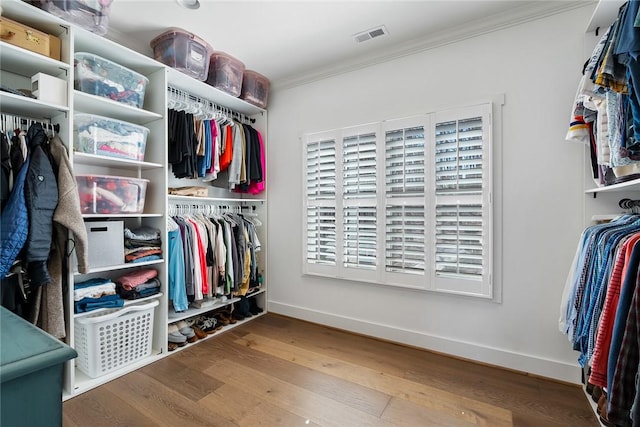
(633, 185)
(87, 103)
(220, 331)
(98, 160)
(127, 302)
(195, 200)
(26, 63)
(86, 41)
(29, 107)
(34, 17)
(188, 84)
(121, 266)
(192, 312)
(604, 14)
(115, 215)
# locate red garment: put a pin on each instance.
(600, 357)
(202, 256)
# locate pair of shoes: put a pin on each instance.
(175, 336)
(253, 307)
(227, 318)
(243, 307)
(187, 331)
(208, 325)
(172, 346)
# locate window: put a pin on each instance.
(403, 202)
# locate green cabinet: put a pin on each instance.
(31, 367)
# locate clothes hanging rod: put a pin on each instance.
(195, 98)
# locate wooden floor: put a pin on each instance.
(277, 371)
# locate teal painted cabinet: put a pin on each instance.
(31, 368)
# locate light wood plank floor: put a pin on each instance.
(277, 371)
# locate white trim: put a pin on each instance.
(544, 367)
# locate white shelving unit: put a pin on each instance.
(601, 203)
(17, 65)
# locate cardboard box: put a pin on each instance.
(17, 34)
(49, 89)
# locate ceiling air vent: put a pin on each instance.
(370, 34)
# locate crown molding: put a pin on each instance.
(529, 11)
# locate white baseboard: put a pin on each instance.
(525, 363)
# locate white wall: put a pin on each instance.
(538, 208)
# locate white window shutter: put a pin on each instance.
(320, 239)
(462, 216)
(405, 241)
(359, 165)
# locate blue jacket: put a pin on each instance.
(14, 223)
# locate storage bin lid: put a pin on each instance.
(218, 55)
(172, 32)
(82, 119)
(25, 348)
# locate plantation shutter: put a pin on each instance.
(404, 239)
(320, 236)
(360, 237)
(404, 161)
(359, 165)
(405, 243)
(462, 219)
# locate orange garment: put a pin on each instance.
(225, 158)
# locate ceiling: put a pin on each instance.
(291, 42)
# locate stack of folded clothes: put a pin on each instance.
(95, 293)
(138, 284)
(142, 244)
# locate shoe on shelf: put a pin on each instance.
(187, 331)
(208, 325)
(175, 336)
(172, 346)
(253, 307)
(228, 317)
(199, 332)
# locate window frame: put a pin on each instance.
(430, 279)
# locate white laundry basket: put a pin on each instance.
(106, 342)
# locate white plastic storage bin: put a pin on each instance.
(104, 194)
(106, 342)
(109, 137)
(98, 76)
